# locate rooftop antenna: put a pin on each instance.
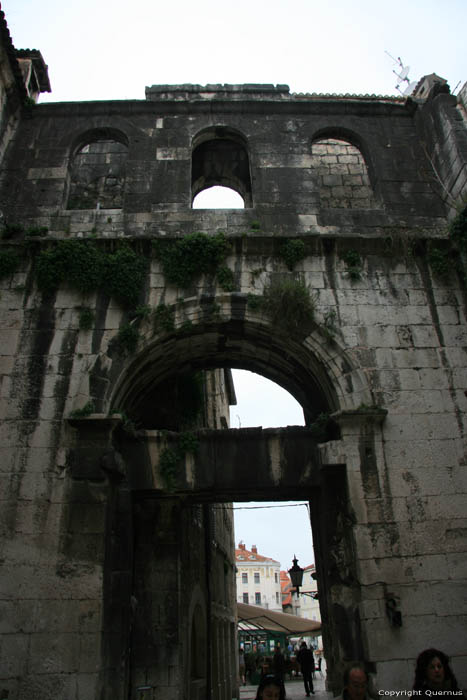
(402, 74)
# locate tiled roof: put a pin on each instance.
(11, 53)
(286, 588)
(243, 554)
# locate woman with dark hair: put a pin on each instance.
(270, 688)
(433, 672)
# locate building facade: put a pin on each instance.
(343, 280)
(258, 578)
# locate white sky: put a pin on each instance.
(278, 531)
(111, 49)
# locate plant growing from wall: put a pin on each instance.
(172, 458)
(12, 231)
(36, 231)
(141, 312)
(86, 318)
(9, 262)
(225, 277)
(439, 261)
(78, 263)
(288, 303)
(185, 259)
(86, 267)
(124, 275)
(164, 319)
(126, 340)
(320, 427)
(84, 411)
(353, 264)
(292, 252)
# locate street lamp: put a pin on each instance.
(296, 576)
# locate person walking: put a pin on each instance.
(307, 666)
(278, 663)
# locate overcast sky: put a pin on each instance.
(277, 529)
(112, 49)
(102, 49)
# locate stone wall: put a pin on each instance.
(383, 355)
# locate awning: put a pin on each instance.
(253, 617)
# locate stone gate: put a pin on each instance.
(122, 311)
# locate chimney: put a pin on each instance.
(241, 545)
(253, 549)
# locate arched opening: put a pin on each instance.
(268, 535)
(218, 198)
(97, 171)
(220, 158)
(190, 536)
(343, 176)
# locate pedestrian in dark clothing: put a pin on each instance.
(307, 666)
(278, 663)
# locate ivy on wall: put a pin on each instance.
(185, 259)
(9, 262)
(172, 458)
(86, 267)
(288, 303)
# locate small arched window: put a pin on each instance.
(97, 172)
(343, 177)
(220, 159)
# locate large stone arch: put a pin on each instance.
(323, 377)
(318, 372)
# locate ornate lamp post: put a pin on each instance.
(296, 576)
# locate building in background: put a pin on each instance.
(290, 602)
(258, 579)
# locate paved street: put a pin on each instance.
(294, 690)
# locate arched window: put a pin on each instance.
(342, 173)
(97, 172)
(220, 158)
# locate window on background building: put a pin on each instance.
(276, 578)
(256, 577)
(245, 598)
(244, 578)
(277, 597)
(257, 598)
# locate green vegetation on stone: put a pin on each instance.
(184, 260)
(86, 267)
(9, 262)
(172, 458)
(83, 412)
(288, 303)
(292, 252)
(353, 264)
